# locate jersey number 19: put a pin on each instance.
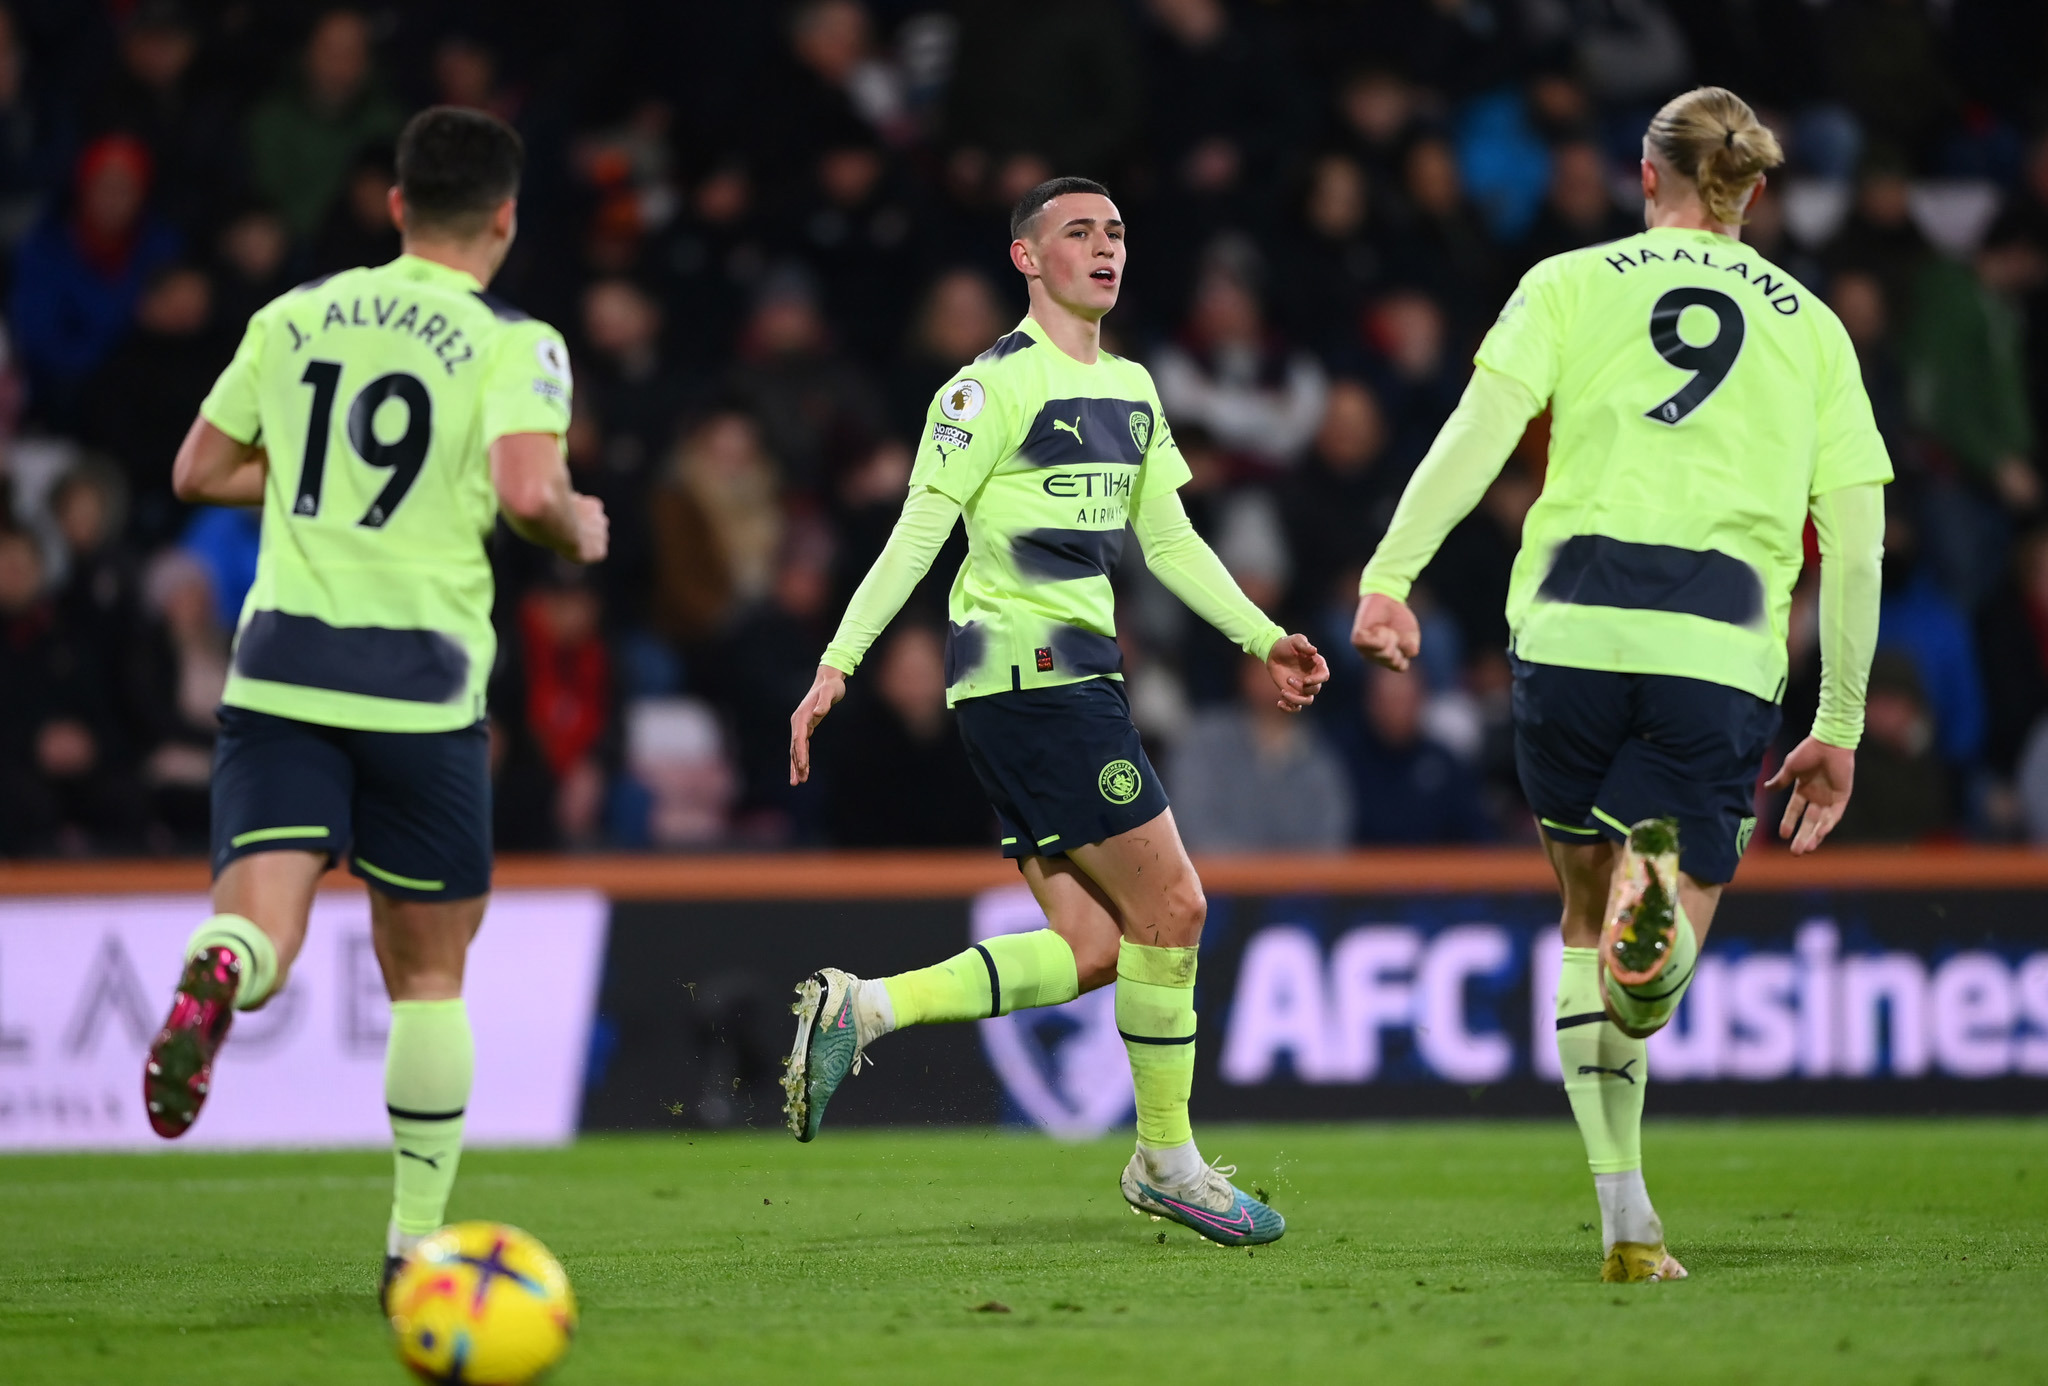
(1709, 364)
(403, 457)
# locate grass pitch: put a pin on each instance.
(1848, 1251)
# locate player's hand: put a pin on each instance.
(1298, 671)
(1821, 777)
(1386, 631)
(826, 689)
(593, 530)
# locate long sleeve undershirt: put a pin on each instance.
(1463, 461)
(920, 532)
(1849, 523)
(1173, 551)
(1190, 569)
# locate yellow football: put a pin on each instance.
(481, 1304)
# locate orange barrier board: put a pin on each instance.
(926, 875)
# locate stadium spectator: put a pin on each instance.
(1338, 500)
(1335, 264)
(853, 226)
(36, 134)
(304, 137)
(1414, 371)
(158, 94)
(843, 80)
(1441, 244)
(568, 708)
(1578, 209)
(183, 656)
(250, 263)
(900, 777)
(958, 321)
(63, 786)
(2012, 640)
(1059, 87)
(1918, 620)
(358, 229)
(1230, 372)
(1408, 786)
(1903, 793)
(717, 526)
(139, 404)
(816, 409)
(79, 273)
(1249, 777)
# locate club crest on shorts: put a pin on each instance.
(1141, 429)
(962, 400)
(1120, 782)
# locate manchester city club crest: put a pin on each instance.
(1120, 782)
(1141, 429)
(1063, 1067)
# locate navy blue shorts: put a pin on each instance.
(411, 811)
(1598, 751)
(1062, 766)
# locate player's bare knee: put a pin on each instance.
(1094, 962)
(1186, 910)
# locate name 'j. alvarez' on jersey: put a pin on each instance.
(377, 393)
(1048, 457)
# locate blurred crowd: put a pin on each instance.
(770, 231)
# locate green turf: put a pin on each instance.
(1820, 1251)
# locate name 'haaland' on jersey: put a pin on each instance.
(385, 314)
(1778, 292)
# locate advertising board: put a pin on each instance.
(85, 981)
(1340, 1006)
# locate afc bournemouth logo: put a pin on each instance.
(1119, 782)
(1065, 1066)
(962, 400)
(1141, 429)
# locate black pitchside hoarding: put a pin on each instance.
(1317, 1006)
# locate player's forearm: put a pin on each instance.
(213, 468)
(535, 496)
(1463, 461)
(1192, 571)
(920, 532)
(1850, 526)
(547, 520)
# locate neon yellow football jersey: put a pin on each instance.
(1700, 397)
(377, 393)
(1048, 458)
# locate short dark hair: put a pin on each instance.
(1033, 202)
(455, 166)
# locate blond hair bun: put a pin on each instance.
(1711, 136)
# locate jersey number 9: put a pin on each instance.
(404, 456)
(1709, 364)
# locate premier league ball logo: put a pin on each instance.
(1063, 1065)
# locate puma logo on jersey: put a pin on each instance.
(1073, 428)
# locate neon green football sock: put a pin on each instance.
(1606, 1073)
(1010, 972)
(1649, 1006)
(1155, 1013)
(252, 949)
(429, 1062)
